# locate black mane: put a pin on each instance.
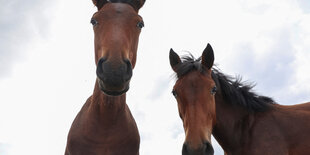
(233, 90)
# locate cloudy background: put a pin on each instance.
(47, 68)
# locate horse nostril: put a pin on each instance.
(101, 61)
(128, 74)
(184, 150)
(99, 70)
(208, 149)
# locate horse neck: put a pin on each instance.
(231, 121)
(107, 108)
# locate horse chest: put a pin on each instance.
(112, 143)
(91, 136)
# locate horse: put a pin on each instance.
(243, 122)
(105, 124)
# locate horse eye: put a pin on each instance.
(140, 24)
(93, 22)
(213, 90)
(174, 93)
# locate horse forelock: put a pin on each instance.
(189, 63)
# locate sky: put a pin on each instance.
(47, 66)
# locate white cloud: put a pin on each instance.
(304, 5)
(21, 23)
(4, 148)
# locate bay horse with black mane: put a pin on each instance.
(243, 122)
(105, 125)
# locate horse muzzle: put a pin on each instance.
(114, 77)
(205, 149)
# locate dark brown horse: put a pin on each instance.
(105, 126)
(243, 122)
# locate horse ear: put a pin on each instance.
(174, 59)
(141, 3)
(207, 57)
(99, 3)
(137, 4)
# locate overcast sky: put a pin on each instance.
(47, 68)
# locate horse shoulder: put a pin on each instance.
(264, 136)
(282, 130)
(74, 136)
(294, 121)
